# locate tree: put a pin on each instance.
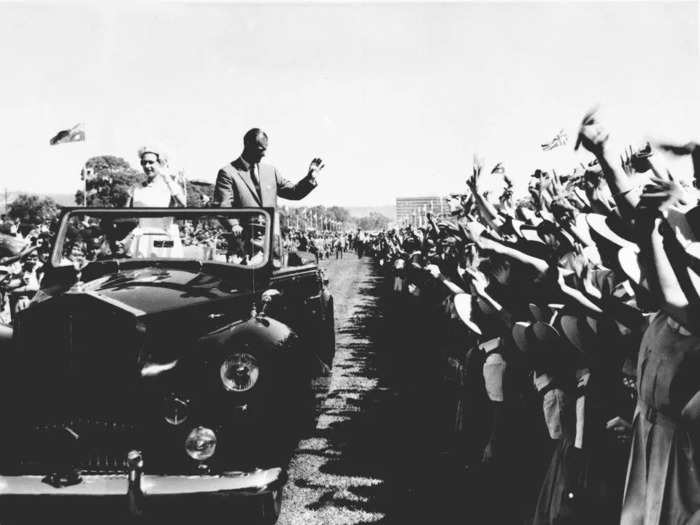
(339, 214)
(109, 180)
(33, 209)
(199, 194)
(374, 221)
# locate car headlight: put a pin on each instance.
(239, 373)
(201, 443)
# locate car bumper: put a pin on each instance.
(144, 490)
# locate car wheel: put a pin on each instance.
(269, 507)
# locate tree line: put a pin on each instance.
(107, 180)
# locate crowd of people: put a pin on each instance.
(324, 244)
(567, 324)
(25, 250)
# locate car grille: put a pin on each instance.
(89, 445)
(78, 375)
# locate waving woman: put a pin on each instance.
(157, 236)
(160, 189)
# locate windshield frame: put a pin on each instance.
(176, 213)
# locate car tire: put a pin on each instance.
(269, 507)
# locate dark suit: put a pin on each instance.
(235, 187)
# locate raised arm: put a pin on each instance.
(486, 210)
(301, 189)
(474, 234)
(657, 243)
(594, 138)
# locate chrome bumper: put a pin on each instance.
(140, 491)
(251, 483)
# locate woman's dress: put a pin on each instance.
(154, 236)
(663, 477)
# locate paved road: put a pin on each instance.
(373, 457)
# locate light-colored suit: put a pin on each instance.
(235, 188)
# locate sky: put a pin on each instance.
(396, 98)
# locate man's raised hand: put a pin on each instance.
(316, 166)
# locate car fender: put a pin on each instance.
(263, 334)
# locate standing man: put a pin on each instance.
(246, 182)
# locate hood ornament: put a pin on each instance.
(266, 300)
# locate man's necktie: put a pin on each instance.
(255, 178)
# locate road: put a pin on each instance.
(374, 455)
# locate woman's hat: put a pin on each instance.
(535, 337)
(628, 258)
(537, 313)
(485, 307)
(582, 332)
(462, 304)
(603, 226)
(529, 233)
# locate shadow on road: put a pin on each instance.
(378, 437)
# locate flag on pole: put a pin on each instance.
(87, 173)
(66, 136)
(498, 169)
(559, 140)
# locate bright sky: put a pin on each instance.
(396, 98)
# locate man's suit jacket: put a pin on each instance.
(235, 188)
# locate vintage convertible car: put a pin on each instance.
(168, 356)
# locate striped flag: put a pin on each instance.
(66, 136)
(498, 169)
(560, 140)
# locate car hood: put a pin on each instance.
(150, 290)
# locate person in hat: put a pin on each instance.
(663, 479)
(161, 188)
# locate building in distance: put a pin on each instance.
(410, 211)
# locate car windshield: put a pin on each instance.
(236, 237)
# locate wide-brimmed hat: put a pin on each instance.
(605, 228)
(527, 215)
(529, 233)
(538, 314)
(581, 332)
(485, 307)
(685, 223)
(535, 337)
(628, 259)
(11, 246)
(543, 346)
(462, 304)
